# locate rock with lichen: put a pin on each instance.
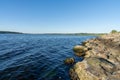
(101, 59)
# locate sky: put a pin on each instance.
(60, 16)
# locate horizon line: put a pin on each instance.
(55, 32)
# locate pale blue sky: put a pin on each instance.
(60, 16)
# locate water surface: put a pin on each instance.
(36, 57)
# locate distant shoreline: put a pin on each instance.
(9, 32)
(78, 34)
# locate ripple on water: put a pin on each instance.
(36, 57)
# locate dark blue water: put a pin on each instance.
(36, 57)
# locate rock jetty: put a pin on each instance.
(101, 59)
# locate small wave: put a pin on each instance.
(36, 57)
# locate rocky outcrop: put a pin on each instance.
(101, 59)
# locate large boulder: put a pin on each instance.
(79, 72)
(95, 68)
(79, 50)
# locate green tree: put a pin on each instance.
(114, 31)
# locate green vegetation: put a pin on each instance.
(114, 31)
(90, 34)
(77, 34)
(9, 32)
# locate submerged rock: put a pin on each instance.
(69, 60)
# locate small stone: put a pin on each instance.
(69, 60)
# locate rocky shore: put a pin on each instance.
(101, 59)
